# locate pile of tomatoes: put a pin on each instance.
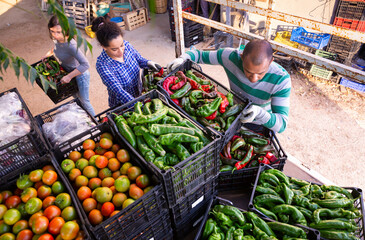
(39, 208)
(104, 178)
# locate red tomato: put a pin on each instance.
(25, 234)
(48, 201)
(52, 212)
(49, 177)
(46, 236)
(40, 225)
(107, 208)
(12, 201)
(55, 225)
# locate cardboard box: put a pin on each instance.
(135, 19)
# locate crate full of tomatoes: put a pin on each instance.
(242, 155)
(35, 203)
(204, 99)
(51, 71)
(119, 198)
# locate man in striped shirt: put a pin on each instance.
(254, 75)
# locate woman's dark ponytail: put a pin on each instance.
(105, 30)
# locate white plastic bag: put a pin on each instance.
(14, 121)
(69, 121)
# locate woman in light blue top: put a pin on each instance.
(72, 60)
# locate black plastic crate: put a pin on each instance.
(350, 9)
(236, 125)
(344, 48)
(50, 114)
(311, 233)
(355, 192)
(10, 183)
(25, 149)
(138, 218)
(63, 91)
(188, 175)
(245, 177)
(186, 216)
(181, 212)
(193, 38)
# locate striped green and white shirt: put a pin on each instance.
(271, 93)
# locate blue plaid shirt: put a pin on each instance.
(121, 78)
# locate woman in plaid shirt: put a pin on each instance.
(119, 63)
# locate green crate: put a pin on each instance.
(319, 71)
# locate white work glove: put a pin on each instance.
(174, 64)
(154, 66)
(250, 113)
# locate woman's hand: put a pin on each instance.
(66, 79)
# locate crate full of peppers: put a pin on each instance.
(240, 158)
(222, 220)
(181, 153)
(53, 72)
(205, 100)
(336, 212)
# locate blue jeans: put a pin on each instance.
(83, 82)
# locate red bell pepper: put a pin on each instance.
(272, 158)
(245, 160)
(212, 116)
(168, 82)
(263, 160)
(160, 73)
(235, 137)
(177, 101)
(224, 103)
(205, 88)
(182, 82)
(194, 84)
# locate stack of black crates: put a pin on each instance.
(349, 14)
(193, 31)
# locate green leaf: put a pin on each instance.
(53, 85)
(79, 40)
(6, 63)
(1, 78)
(25, 68)
(33, 75)
(44, 83)
(16, 67)
(89, 46)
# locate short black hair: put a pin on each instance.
(258, 50)
(105, 30)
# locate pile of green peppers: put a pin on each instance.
(160, 134)
(151, 78)
(248, 149)
(229, 223)
(330, 209)
(51, 70)
(200, 98)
